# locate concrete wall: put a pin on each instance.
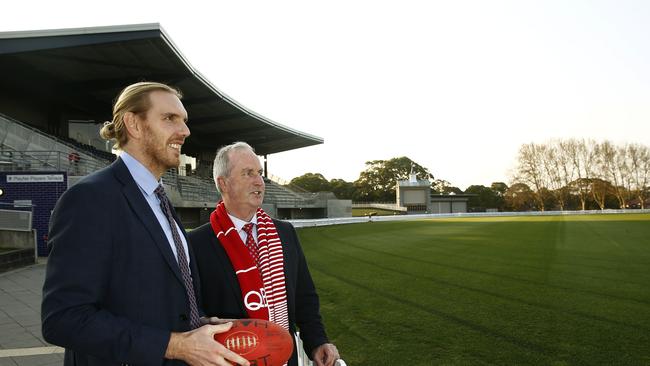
(339, 208)
(418, 197)
(438, 207)
(459, 207)
(413, 195)
(16, 258)
(448, 205)
(301, 213)
(10, 239)
(270, 209)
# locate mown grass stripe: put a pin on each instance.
(558, 290)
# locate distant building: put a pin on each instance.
(416, 196)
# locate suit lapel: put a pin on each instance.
(194, 269)
(142, 209)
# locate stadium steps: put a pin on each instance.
(27, 148)
(285, 198)
(24, 148)
(20, 136)
(197, 189)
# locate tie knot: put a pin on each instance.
(160, 190)
(248, 228)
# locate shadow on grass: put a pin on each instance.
(493, 294)
(521, 343)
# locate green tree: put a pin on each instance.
(500, 188)
(378, 181)
(452, 189)
(311, 182)
(342, 190)
(519, 197)
(444, 187)
(485, 198)
(548, 199)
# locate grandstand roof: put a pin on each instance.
(83, 69)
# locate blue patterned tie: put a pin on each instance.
(182, 257)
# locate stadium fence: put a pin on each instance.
(360, 219)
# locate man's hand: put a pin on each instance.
(325, 355)
(198, 347)
(213, 320)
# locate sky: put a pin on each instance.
(457, 86)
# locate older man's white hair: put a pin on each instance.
(221, 166)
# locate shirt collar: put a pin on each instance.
(142, 176)
(239, 223)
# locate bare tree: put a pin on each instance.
(556, 168)
(530, 170)
(624, 168)
(639, 164)
(589, 170)
(582, 154)
(614, 168)
(600, 189)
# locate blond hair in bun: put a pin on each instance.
(135, 99)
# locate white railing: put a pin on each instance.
(356, 220)
(278, 180)
(43, 161)
(380, 205)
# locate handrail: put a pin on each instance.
(65, 146)
(12, 160)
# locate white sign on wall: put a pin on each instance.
(34, 178)
(22, 203)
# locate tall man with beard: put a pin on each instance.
(121, 285)
(252, 266)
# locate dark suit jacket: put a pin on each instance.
(221, 293)
(113, 290)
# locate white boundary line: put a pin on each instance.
(360, 219)
(17, 352)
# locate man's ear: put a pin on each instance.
(133, 125)
(221, 181)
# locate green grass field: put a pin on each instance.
(557, 290)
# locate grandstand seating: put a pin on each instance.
(284, 197)
(90, 148)
(26, 148)
(196, 189)
(19, 136)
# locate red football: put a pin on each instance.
(261, 342)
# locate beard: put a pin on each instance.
(158, 151)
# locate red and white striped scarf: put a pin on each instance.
(263, 286)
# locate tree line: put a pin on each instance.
(583, 174)
(375, 184)
(558, 175)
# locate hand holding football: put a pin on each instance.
(261, 342)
